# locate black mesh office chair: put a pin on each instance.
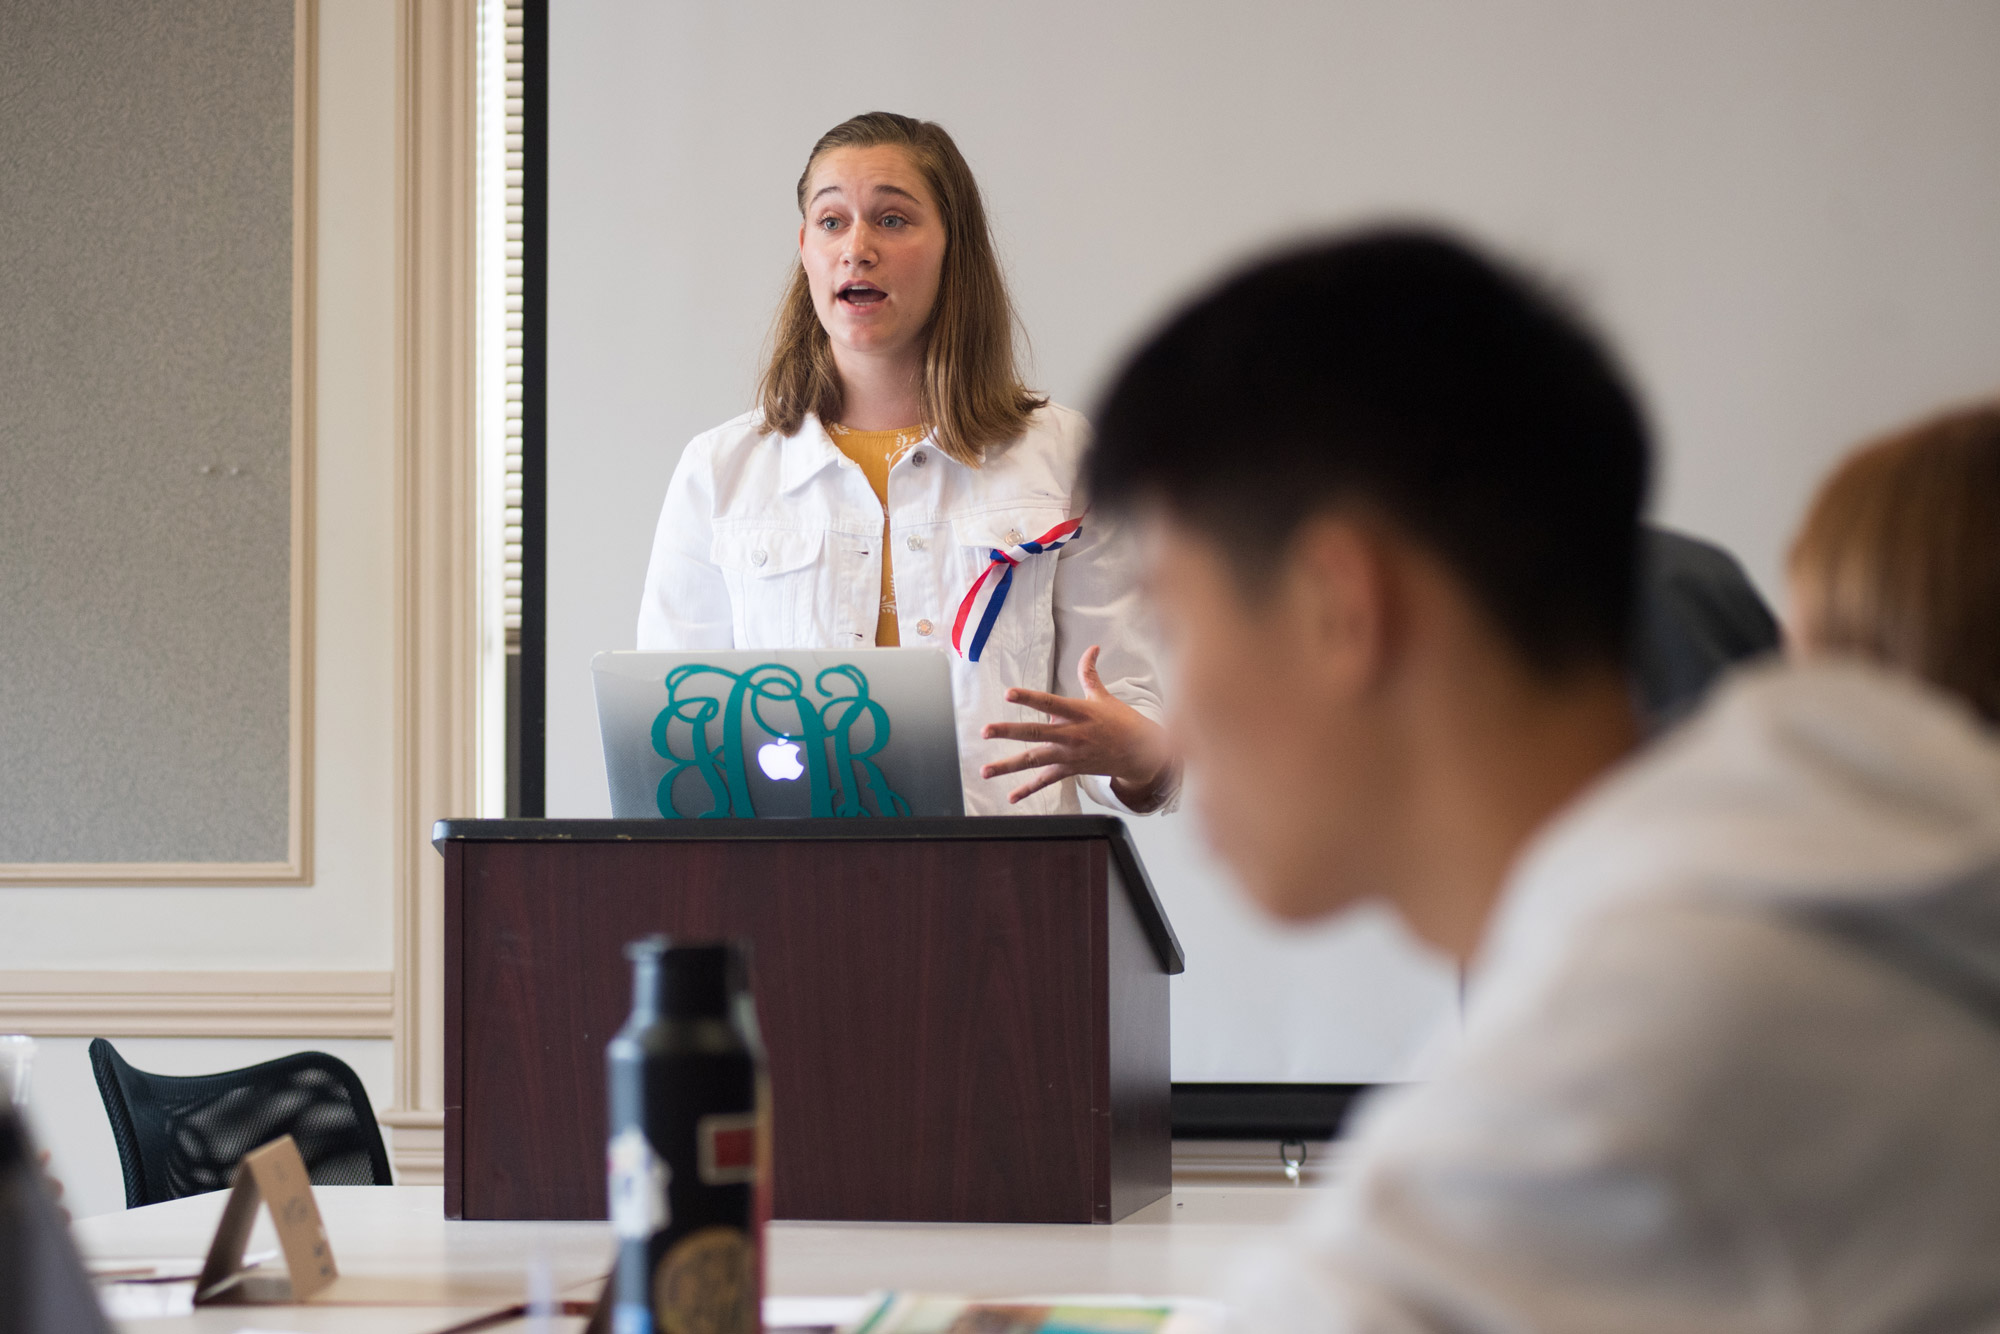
(184, 1134)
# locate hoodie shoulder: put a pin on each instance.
(1794, 785)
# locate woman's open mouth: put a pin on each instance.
(861, 294)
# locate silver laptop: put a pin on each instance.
(792, 733)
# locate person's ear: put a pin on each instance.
(1339, 583)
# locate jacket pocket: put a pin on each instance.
(772, 575)
(1025, 622)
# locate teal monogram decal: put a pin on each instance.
(834, 769)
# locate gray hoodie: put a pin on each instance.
(1732, 1055)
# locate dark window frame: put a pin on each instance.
(527, 720)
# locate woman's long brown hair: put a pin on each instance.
(1899, 558)
(972, 395)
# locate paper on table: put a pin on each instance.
(803, 1313)
(920, 1313)
(144, 1289)
(138, 1271)
(145, 1301)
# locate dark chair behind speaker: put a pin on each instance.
(184, 1134)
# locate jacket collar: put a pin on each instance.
(810, 450)
(807, 452)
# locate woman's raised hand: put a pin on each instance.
(1098, 734)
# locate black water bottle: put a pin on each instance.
(687, 1145)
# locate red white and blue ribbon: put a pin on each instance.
(981, 608)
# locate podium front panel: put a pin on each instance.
(958, 1029)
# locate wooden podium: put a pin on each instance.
(966, 1019)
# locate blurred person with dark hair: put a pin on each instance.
(1732, 1039)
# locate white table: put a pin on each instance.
(1179, 1246)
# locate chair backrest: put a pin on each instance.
(184, 1134)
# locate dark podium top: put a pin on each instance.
(974, 828)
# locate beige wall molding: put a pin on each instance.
(436, 535)
(416, 1146)
(80, 1003)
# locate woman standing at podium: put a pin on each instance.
(897, 484)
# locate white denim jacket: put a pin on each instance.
(770, 541)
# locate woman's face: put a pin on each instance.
(873, 249)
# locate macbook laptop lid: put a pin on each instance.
(792, 733)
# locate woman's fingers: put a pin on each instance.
(1086, 671)
(1056, 732)
(1098, 733)
(1057, 706)
(1013, 764)
(1055, 773)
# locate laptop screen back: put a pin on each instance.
(779, 734)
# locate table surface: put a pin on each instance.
(446, 1271)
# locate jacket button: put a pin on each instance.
(759, 556)
(919, 459)
(1013, 536)
(924, 627)
(915, 542)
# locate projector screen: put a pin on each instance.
(1783, 214)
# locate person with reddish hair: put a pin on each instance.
(1898, 561)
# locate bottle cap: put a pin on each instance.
(698, 981)
(646, 948)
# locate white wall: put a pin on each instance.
(1785, 212)
(342, 920)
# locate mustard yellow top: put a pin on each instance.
(875, 452)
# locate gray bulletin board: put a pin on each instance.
(155, 322)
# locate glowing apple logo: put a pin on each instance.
(780, 760)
